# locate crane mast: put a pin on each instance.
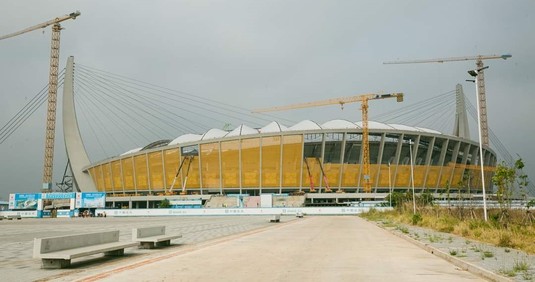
(363, 99)
(480, 82)
(52, 92)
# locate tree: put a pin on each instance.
(164, 204)
(505, 178)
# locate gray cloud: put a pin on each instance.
(266, 53)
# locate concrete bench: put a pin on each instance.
(11, 217)
(148, 237)
(2, 217)
(299, 214)
(57, 252)
(275, 218)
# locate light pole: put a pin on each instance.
(390, 184)
(475, 73)
(412, 178)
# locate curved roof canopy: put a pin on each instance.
(305, 125)
(186, 138)
(214, 133)
(275, 127)
(242, 130)
(339, 124)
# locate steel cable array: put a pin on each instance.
(121, 113)
(137, 113)
(27, 111)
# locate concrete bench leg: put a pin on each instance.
(164, 243)
(115, 253)
(146, 245)
(55, 263)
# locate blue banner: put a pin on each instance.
(27, 201)
(91, 200)
(52, 196)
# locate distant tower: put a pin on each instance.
(460, 129)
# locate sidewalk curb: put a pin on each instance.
(453, 260)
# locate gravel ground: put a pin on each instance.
(513, 264)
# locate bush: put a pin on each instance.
(505, 240)
(416, 218)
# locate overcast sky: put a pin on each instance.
(267, 53)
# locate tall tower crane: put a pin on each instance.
(52, 91)
(480, 82)
(363, 99)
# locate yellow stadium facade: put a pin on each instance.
(305, 157)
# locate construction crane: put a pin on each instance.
(480, 80)
(52, 91)
(363, 99)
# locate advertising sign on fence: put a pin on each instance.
(25, 201)
(90, 200)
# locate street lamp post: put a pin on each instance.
(412, 178)
(475, 73)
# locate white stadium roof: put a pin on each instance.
(274, 127)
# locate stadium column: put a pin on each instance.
(428, 160)
(396, 158)
(441, 161)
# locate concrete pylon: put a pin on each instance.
(460, 129)
(76, 153)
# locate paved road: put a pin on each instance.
(16, 241)
(312, 249)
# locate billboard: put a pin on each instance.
(90, 200)
(24, 201)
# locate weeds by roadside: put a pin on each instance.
(516, 234)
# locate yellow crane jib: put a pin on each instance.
(363, 99)
(482, 98)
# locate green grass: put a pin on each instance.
(521, 266)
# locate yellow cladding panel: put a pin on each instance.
(210, 165)
(94, 176)
(383, 177)
(106, 172)
(250, 156)
(117, 177)
(230, 158)
(128, 173)
(403, 175)
(171, 162)
(457, 180)
(432, 176)
(350, 175)
(271, 147)
(100, 179)
(332, 171)
(156, 171)
(291, 160)
(419, 175)
(445, 177)
(140, 164)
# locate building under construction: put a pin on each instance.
(305, 157)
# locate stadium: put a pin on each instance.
(319, 163)
(306, 157)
